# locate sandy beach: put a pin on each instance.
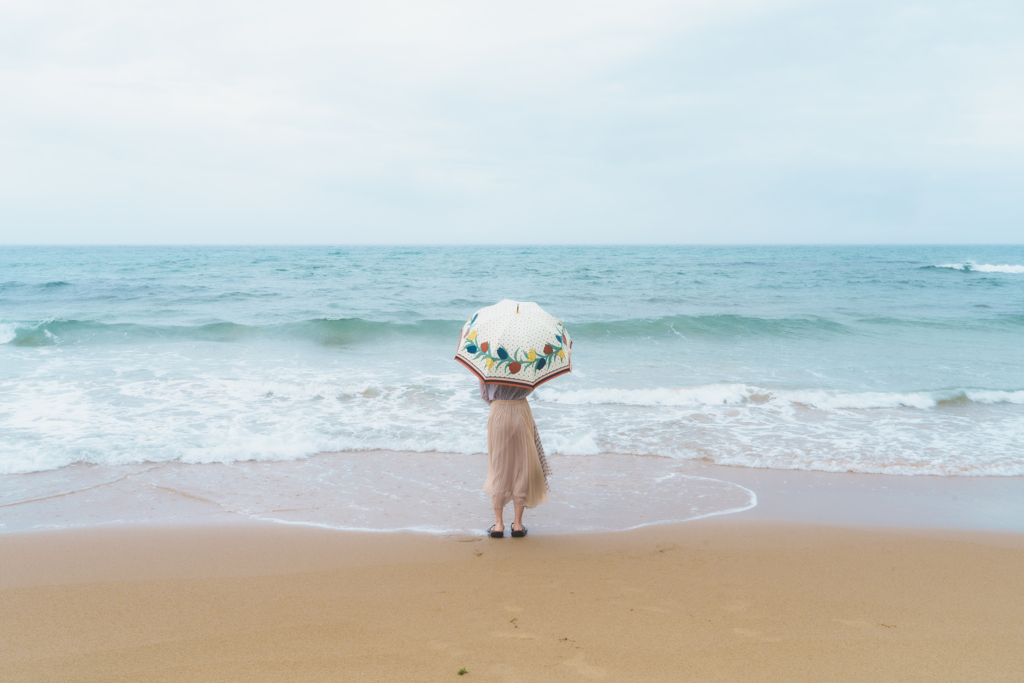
(722, 599)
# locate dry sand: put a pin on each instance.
(716, 600)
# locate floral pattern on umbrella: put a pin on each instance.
(540, 350)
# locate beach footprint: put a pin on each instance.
(514, 635)
(863, 624)
(754, 634)
(584, 669)
(652, 608)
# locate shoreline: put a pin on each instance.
(719, 599)
(439, 494)
(880, 500)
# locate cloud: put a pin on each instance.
(486, 122)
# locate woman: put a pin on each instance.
(517, 469)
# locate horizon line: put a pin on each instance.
(519, 245)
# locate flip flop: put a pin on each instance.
(495, 534)
(518, 534)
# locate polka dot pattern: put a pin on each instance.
(515, 343)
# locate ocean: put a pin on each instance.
(904, 360)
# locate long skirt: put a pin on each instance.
(514, 466)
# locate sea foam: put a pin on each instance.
(711, 394)
(743, 394)
(8, 332)
(971, 266)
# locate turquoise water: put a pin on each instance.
(902, 360)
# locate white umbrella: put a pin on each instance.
(515, 343)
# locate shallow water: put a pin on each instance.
(376, 491)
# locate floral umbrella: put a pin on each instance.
(515, 343)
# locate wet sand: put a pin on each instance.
(720, 599)
(441, 493)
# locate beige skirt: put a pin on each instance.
(514, 470)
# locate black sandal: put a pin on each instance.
(518, 534)
(496, 534)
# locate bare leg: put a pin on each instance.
(518, 524)
(499, 523)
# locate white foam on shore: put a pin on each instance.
(203, 419)
(111, 406)
(710, 394)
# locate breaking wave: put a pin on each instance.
(353, 331)
(972, 267)
(329, 332)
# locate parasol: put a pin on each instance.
(515, 343)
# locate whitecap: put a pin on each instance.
(996, 396)
(984, 267)
(1005, 268)
(827, 400)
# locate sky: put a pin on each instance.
(555, 122)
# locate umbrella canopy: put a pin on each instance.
(515, 343)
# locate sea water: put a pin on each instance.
(897, 360)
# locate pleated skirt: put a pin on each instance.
(514, 469)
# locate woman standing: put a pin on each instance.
(513, 347)
(517, 468)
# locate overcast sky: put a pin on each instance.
(527, 122)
